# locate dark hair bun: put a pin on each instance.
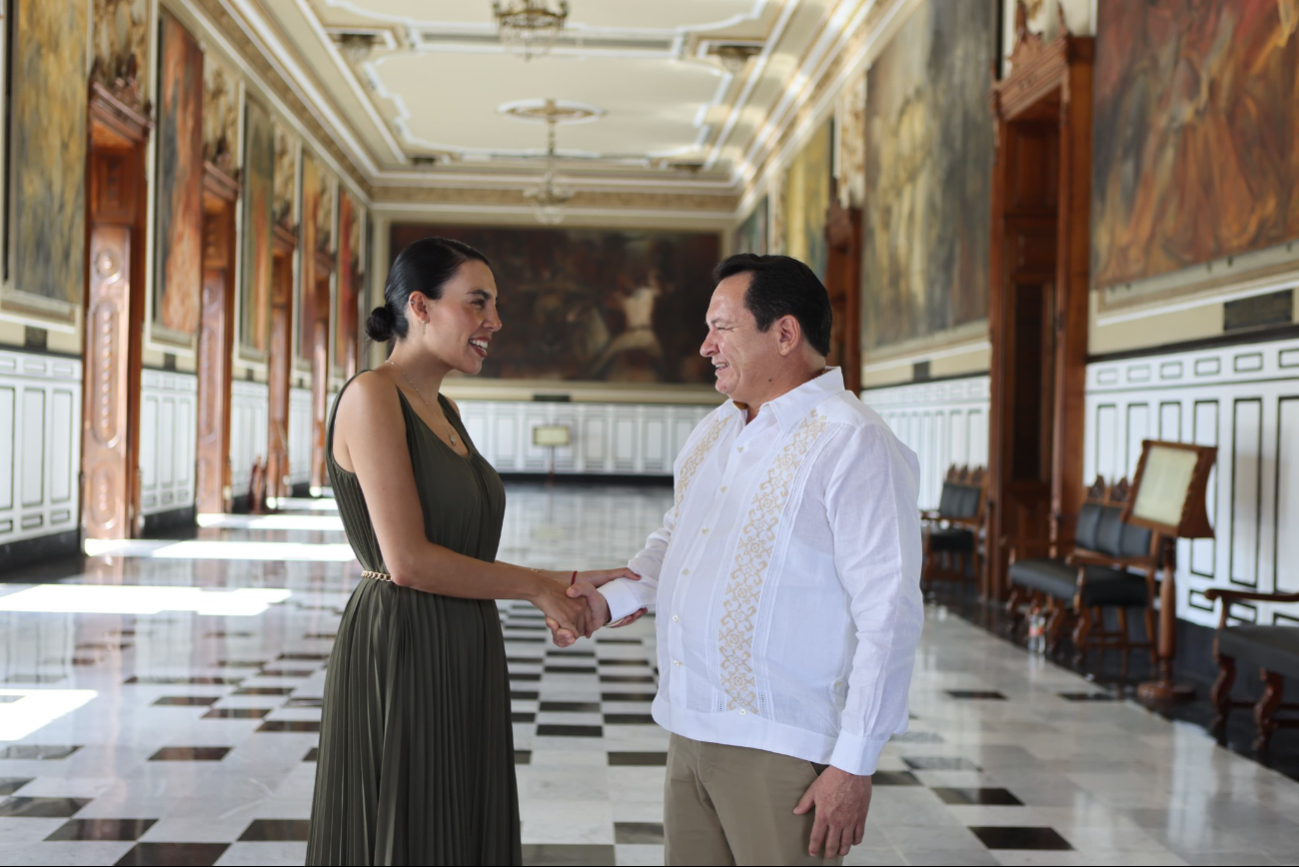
(381, 325)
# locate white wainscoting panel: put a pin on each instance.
(607, 438)
(1244, 399)
(299, 435)
(944, 423)
(168, 409)
(40, 445)
(249, 408)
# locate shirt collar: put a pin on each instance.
(794, 405)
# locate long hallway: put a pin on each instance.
(162, 706)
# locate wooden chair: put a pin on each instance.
(1094, 574)
(1274, 649)
(951, 540)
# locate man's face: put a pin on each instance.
(742, 355)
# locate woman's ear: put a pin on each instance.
(418, 304)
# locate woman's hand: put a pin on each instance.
(567, 618)
(584, 588)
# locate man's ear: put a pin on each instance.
(789, 334)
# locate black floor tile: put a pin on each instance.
(523, 677)
(267, 830)
(523, 757)
(569, 731)
(628, 719)
(1086, 696)
(312, 754)
(986, 796)
(42, 808)
(229, 634)
(237, 713)
(190, 754)
(523, 695)
(525, 660)
(290, 725)
(328, 636)
(521, 640)
(178, 854)
(940, 763)
(571, 706)
(628, 696)
(638, 832)
(523, 717)
(36, 678)
(621, 640)
(977, 694)
(645, 760)
(312, 657)
(286, 672)
(305, 702)
(265, 690)
(187, 701)
(918, 738)
(570, 669)
(201, 681)
(101, 829)
(580, 854)
(36, 752)
(564, 652)
(630, 663)
(9, 785)
(894, 778)
(240, 663)
(626, 678)
(1011, 837)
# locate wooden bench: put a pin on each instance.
(952, 531)
(1112, 564)
(1274, 649)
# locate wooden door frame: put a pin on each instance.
(117, 126)
(220, 195)
(1060, 70)
(284, 242)
(843, 235)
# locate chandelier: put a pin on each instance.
(529, 27)
(548, 200)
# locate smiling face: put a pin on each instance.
(748, 361)
(460, 324)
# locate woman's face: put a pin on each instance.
(458, 327)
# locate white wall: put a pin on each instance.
(1245, 400)
(607, 438)
(944, 423)
(299, 435)
(40, 445)
(249, 435)
(168, 407)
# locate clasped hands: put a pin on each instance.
(578, 610)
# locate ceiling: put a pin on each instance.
(423, 88)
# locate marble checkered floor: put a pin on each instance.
(162, 705)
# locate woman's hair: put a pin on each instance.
(424, 266)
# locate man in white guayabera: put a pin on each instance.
(786, 580)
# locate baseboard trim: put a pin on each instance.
(27, 552)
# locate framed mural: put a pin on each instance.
(1184, 173)
(178, 244)
(259, 220)
(46, 223)
(594, 305)
(751, 235)
(305, 308)
(807, 199)
(351, 229)
(928, 175)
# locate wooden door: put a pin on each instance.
(843, 232)
(105, 437)
(319, 383)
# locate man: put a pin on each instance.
(786, 582)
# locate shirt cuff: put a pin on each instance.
(857, 754)
(622, 598)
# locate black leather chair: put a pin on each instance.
(1111, 564)
(952, 531)
(1274, 649)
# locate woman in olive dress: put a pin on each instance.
(416, 758)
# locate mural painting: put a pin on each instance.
(807, 200)
(751, 236)
(928, 175)
(47, 157)
(1184, 173)
(594, 305)
(120, 41)
(258, 202)
(179, 271)
(220, 114)
(351, 218)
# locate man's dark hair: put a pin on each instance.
(782, 286)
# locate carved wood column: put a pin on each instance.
(216, 340)
(280, 366)
(320, 367)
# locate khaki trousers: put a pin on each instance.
(728, 805)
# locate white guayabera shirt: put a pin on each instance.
(786, 580)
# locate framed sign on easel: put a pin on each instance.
(1168, 497)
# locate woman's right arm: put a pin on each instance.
(370, 435)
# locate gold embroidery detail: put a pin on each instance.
(752, 557)
(692, 464)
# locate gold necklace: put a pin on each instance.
(450, 430)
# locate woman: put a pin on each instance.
(416, 759)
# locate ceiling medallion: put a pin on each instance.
(548, 200)
(529, 27)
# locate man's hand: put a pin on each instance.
(841, 801)
(585, 587)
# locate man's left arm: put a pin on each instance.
(871, 506)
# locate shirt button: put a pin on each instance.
(723, 489)
(742, 711)
(704, 530)
(739, 448)
(675, 619)
(676, 662)
(685, 571)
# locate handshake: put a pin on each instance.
(577, 609)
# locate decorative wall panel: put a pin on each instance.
(249, 405)
(944, 423)
(607, 438)
(168, 406)
(40, 445)
(299, 436)
(1245, 400)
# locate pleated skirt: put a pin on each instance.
(416, 759)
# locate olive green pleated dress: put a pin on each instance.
(416, 759)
